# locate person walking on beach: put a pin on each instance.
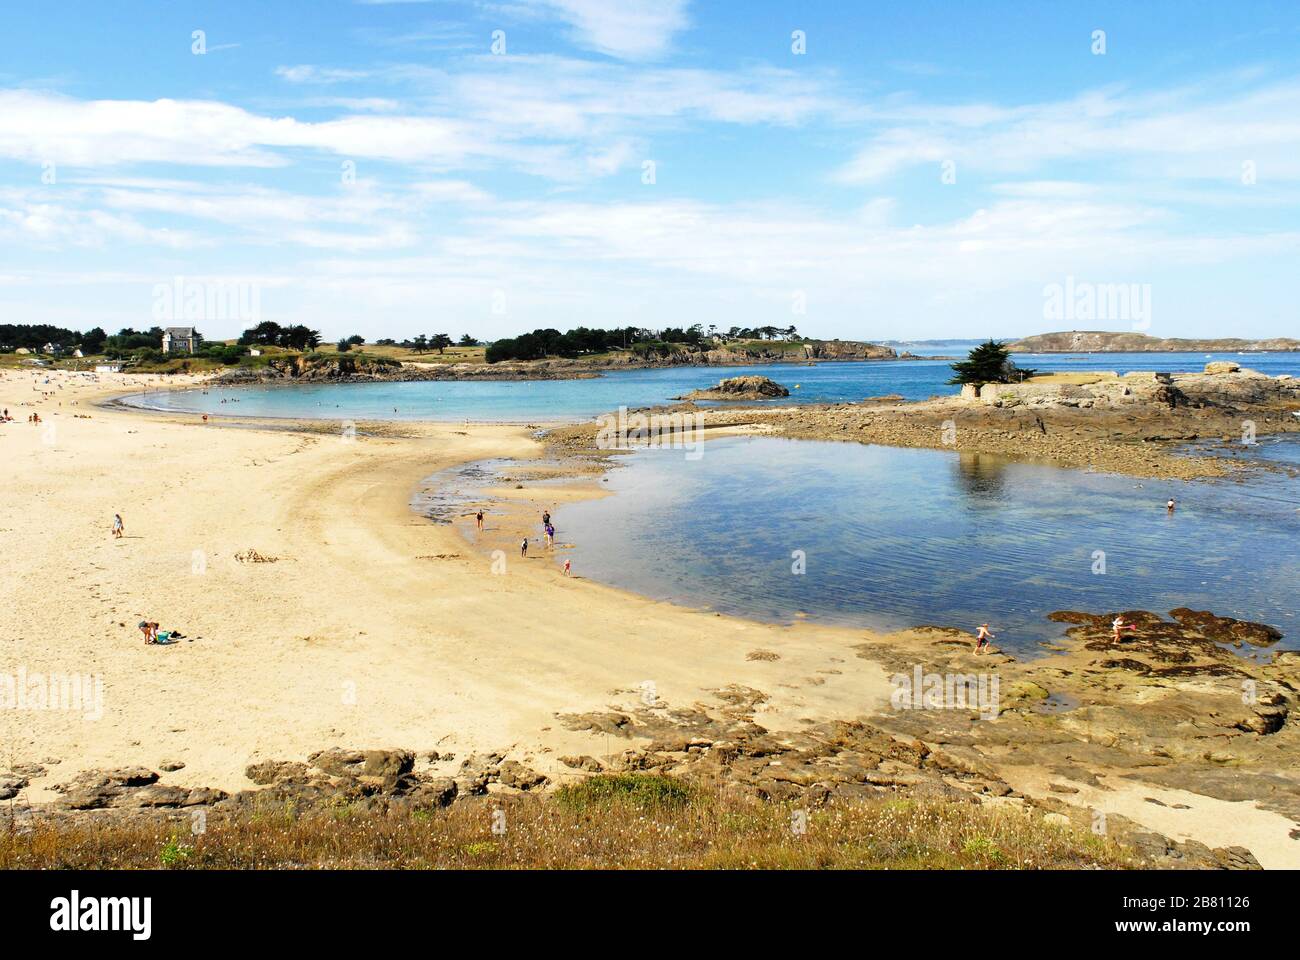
(982, 638)
(118, 529)
(546, 518)
(1118, 624)
(550, 537)
(523, 548)
(478, 519)
(568, 565)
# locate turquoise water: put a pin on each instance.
(536, 401)
(897, 537)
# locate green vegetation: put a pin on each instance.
(641, 790)
(623, 821)
(174, 852)
(269, 333)
(142, 349)
(357, 357)
(34, 337)
(990, 362)
(588, 341)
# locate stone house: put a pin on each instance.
(180, 340)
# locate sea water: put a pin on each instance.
(884, 537)
(547, 401)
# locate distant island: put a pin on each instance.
(957, 342)
(1101, 341)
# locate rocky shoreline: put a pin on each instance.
(1135, 425)
(1163, 711)
(363, 369)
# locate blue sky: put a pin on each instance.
(922, 170)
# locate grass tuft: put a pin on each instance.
(644, 791)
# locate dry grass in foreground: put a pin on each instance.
(623, 821)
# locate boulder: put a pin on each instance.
(387, 763)
(516, 775)
(338, 763)
(275, 771)
(740, 388)
(435, 793)
(584, 762)
(1222, 366)
(100, 788)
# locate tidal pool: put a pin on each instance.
(887, 537)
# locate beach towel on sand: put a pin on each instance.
(165, 636)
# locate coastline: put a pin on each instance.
(367, 601)
(363, 591)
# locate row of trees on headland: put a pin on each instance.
(990, 362)
(36, 337)
(298, 337)
(529, 346)
(580, 341)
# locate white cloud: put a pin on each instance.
(43, 128)
(1191, 132)
(630, 29)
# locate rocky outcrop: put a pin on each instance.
(1173, 706)
(740, 388)
(317, 368)
(1103, 341)
(1225, 387)
(375, 780)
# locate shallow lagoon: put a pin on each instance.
(897, 537)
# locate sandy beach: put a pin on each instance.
(373, 626)
(320, 610)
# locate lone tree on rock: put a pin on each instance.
(990, 362)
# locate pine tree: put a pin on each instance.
(990, 362)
